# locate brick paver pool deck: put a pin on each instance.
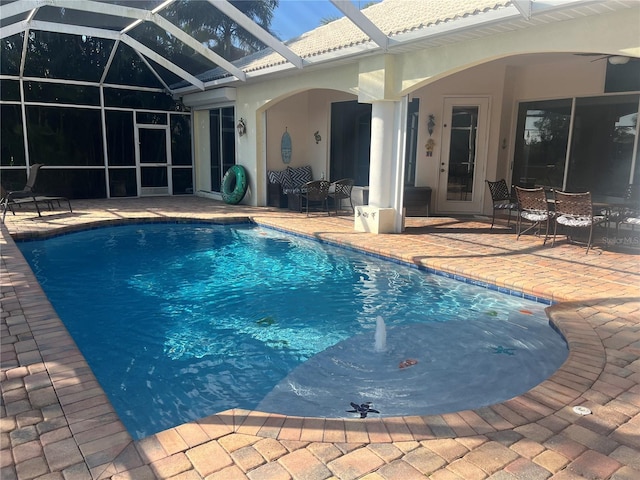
(56, 422)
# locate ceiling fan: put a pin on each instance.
(613, 59)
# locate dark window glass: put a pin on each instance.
(181, 140)
(122, 182)
(223, 144)
(171, 48)
(602, 144)
(153, 146)
(120, 143)
(114, 97)
(83, 18)
(10, 90)
(64, 136)
(151, 118)
(153, 177)
(11, 136)
(72, 183)
(11, 54)
(13, 179)
(58, 55)
(411, 150)
(182, 181)
(541, 143)
(217, 31)
(128, 68)
(350, 141)
(61, 93)
(623, 78)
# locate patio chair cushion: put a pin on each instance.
(275, 176)
(577, 221)
(535, 216)
(295, 178)
(509, 205)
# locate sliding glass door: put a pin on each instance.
(583, 144)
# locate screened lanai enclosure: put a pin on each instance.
(91, 89)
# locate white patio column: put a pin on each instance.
(386, 169)
(381, 154)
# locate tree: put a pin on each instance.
(218, 32)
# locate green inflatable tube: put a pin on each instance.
(234, 185)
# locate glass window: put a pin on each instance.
(462, 152)
(11, 54)
(412, 143)
(64, 136)
(602, 144)
(120, 143)
(182, 181)
(350, 141)
(171, 48)
(127, 68)
(115, 97)
(181, 140)
(10, 90)
(122, 182)
(223, 144)
(147, 118)
(14, 179)
(46, 92)
(541, 143)
(11, 136)
(72, 182)
(58, 55)
(623, 78)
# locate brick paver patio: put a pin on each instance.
(57, 423)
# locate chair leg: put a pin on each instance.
(590, 237)
(493, 218)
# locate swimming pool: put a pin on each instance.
(179, 321)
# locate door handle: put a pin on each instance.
(442, 169)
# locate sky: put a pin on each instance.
(294, 17)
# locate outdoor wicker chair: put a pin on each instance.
(533, 206)
(316, 191)
(575, 210)
(341, 190)
(501, 198)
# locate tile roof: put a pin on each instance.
(392, 17)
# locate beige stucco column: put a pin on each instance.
(386, 159)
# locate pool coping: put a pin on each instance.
(71, 377)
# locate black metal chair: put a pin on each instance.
(575, 210)
(341, 190)
(316, 191)
(501, 198)
(534, 207)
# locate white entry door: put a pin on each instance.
(464, 155)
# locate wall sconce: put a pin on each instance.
(317, 136)
(241, 127)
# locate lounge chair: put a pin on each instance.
(28, 195)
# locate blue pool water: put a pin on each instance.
(180, 321)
